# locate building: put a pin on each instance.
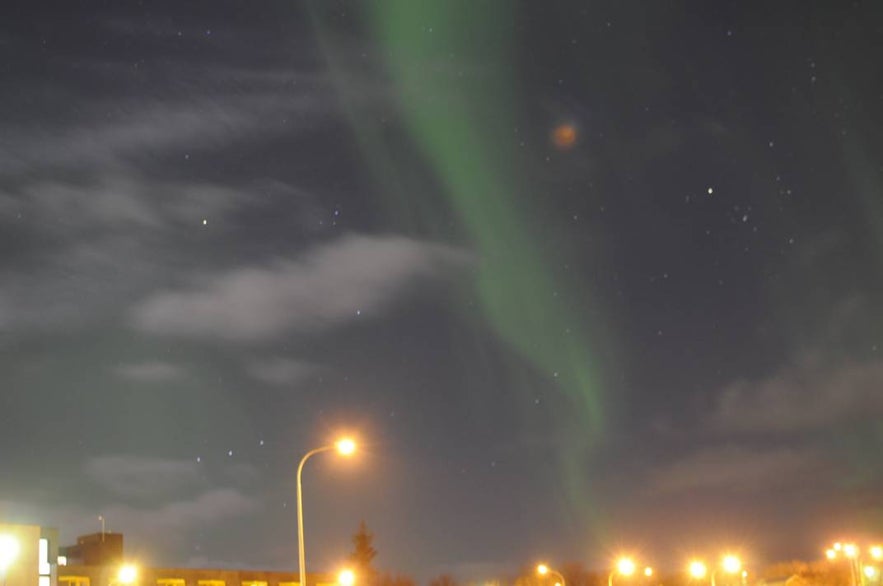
(109, 576)
(96, 560)
(28, 555)
(96, 549)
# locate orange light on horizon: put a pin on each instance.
(625, 566)
(697, 569)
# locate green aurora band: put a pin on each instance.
(462, 128)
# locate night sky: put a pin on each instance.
(580, 276)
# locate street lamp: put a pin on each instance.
(544, 570)
(624, 567)
(345, 447)
(648, 572)
(697, 569)
(346, 577)
(851, 552)
(729, 564)
(127, 574)
(9, 549)
(876, 552)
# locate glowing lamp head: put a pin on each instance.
(876, 552)
(870, 572)
(345, 446)
(625, 566)
(9, 549)
(127, 574)
(346, 578)
(731, 564)
(542, 569)
(648, 571)
(838, 546)
(830, 554)
(850, 550)
(697, 569)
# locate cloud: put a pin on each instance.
(143, 477)
(280, 371)
(802, 397)
(351, 277)
(149, 371)
(734, 468)
(171, 524)
(142, 129)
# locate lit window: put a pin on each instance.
(43, 560)
(171, 582)
(74, 580)
(62, 560)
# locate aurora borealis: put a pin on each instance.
(581, 275)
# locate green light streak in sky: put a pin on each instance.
(463, 126)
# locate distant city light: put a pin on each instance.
(128, 574)
(346, 578)
(697, 569)
(625, 566)
(9, 549)
(731, 564)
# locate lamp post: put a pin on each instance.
(851, 552)
(9, 549)
(544, 570)
(344, 447)
(346, 577)
(697, 569)
(624, 567)
(127, 574)
(729, 564)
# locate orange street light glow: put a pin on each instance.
(542, 569)
(127, 574)
(731, 564)
(830, 554)
(625, 566)
(850, 550)
(876, 552)
(345, 446)
(346, 578)
(648, 571)
(9, 549)
(697, 569)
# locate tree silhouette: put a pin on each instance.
(363, 555)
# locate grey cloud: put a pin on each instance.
(171, 523)
(280, 371)
(143, 477)
(735, 468)
(805, 396)
(194, 124)
(149, 371)
(330, 285)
